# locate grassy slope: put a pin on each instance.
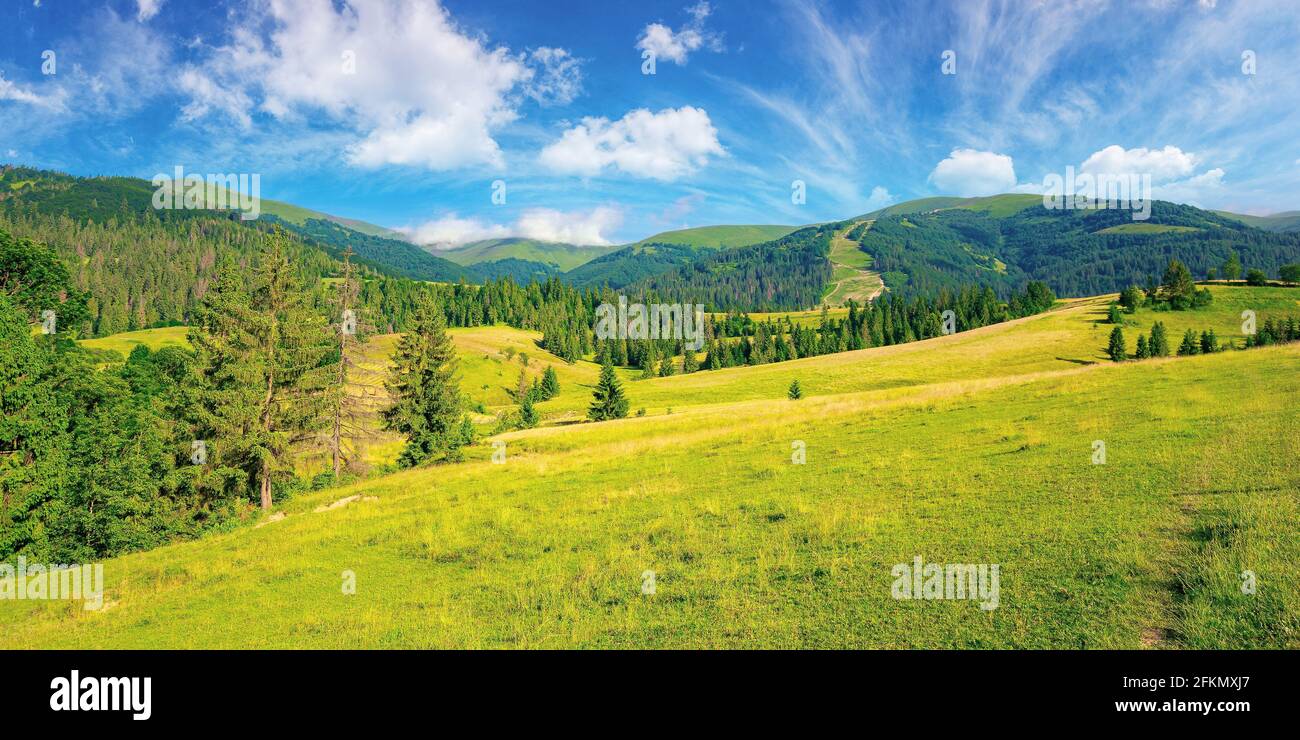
(995, 205)
(720, 236)
(1287, 221)
(851, 275)
(564, 256)
(972, 448)
(1074, 334)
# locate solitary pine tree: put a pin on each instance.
(1190, 345)
(607, 401)
(426, 406)
(550, 384)
(1116, 349)
(1232, 267)
(1159, 340)
(795, 391)
(528, 417)
(1143, 352)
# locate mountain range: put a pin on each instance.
(923, 245)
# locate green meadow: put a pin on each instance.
(977, 448)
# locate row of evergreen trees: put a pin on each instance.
(1272, 331)
(737, 340)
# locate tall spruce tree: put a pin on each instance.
(1116, 348)
(425, 391)
(1143, 352)
(267, 359)
(607, 401)
(551, 383)
(1159, 344)
(297, 345)
(528, 417)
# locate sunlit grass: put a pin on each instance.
(974, 448)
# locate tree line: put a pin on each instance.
(97, 460)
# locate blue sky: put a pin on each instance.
(406, 112)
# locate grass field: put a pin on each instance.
(972, 448)
(154, 339)
(1141, 228)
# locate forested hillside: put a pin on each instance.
(392, 256)
(630, 264)
(1076, 252)
(144, 267)
(784, 274)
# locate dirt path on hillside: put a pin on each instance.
(850, 276)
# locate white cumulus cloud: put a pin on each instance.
(970, 173)
(880, 197)
(676, 46)
(1197, 190)
(1163, 165)
(593, 226)
(415, 88)
(1172, 172)
(662, 146)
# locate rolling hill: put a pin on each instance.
(45, 196)
(995, 205)
(662, 253)
(746, 545)
(1286, 221)
(718, 237)
(557, 254)
(1005, 241)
